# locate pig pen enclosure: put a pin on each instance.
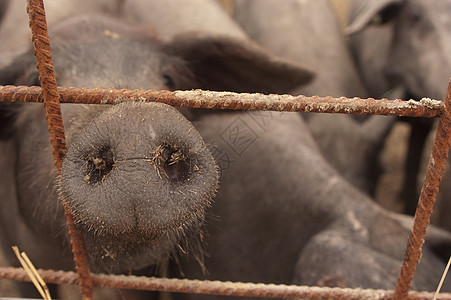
(51, 96)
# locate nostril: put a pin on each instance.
(173, 162)
(177, 167)
(98, 165)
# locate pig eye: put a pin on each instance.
(169, 82)
(386, 15)
(99, 165)
(414, 19)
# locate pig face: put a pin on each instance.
(422, 31)
(406, 40)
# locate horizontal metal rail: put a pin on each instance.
(216, 287)
(236, 101)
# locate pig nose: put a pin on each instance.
(138, 168)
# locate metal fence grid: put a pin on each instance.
(51, 96)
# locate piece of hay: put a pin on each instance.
(442, 279)
(37, 280)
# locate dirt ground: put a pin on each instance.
(393, 161)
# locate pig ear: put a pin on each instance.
(363, 13)
(228, 64)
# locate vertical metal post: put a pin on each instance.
(41, 44)
(428, 195)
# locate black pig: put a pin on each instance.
(137, 176)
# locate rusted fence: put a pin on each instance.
(51, 96)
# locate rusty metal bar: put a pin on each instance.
(216, 287)
(50, 95)
(41, 43)
(238, 101)
(434, 172)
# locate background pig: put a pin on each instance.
(371, 25)
(171, 19)
(302, 196)
(399, 27)
(422, 29)
(15, 17)
(403, 44)
(306, 32)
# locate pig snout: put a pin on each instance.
(141, 172)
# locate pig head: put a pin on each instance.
(413, 43)
(159, 174)
(160, 206)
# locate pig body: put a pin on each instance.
(310, 227)
(269, 164)
(403, 45)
